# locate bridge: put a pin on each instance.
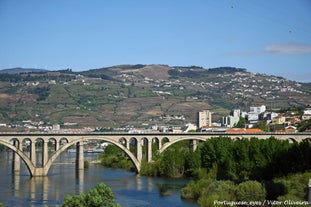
(26, 145)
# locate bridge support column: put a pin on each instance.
(33, 153)
(139, 151)
(80, 179)
(56, 145)
(128, 144)
(160, 144)
(16, 167)
(45, 152)
(149, 155)
(79, 156)
(194, 145)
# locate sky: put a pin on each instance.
(270, 37)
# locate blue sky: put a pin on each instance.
(271, 37)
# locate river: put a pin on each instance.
(130, 190)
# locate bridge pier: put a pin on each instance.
(79, 156)
(194, 145)
(45, 152)
(16, 163)
(33, 153)
(149, 154)
(16, 159)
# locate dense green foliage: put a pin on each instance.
(114, 157)
(41, 92)
(250, 191)
(293, 187)
(100, 196)
(262, 125)
(177, 161)
(206, 191)
(242, 162)
(241, 123)
(255, 159)
(304, 125)
(234, 160)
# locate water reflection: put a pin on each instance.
(80, 180)
(63, 179)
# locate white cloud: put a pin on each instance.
(288, 49)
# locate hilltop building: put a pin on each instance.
(204, 118)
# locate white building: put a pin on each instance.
(56, 127)
(252, 116)
(307, 111)
(190, 127)
(306, 114)
(257, 109)
(204, 118)
(230, 121)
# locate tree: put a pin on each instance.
(304, 125)
(262, 125)
(241, 123)
(100, 196)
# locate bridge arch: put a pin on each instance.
(307, 140)
(157, 141)
(291, 140)
(168, 144)
(66, 146)
(15, 142)
(21, 154)
(123, 141)
(52, 143)
(164, 140)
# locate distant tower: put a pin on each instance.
(204, 118)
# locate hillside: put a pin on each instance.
(140, 95)
(21, 70)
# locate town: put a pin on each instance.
(256, 120)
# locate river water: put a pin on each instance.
(130, 189)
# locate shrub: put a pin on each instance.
(250, 191)
(100, 196)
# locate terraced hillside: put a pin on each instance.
(140, 95)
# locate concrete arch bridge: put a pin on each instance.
(26, 145)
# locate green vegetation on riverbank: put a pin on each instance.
(236, 160)
(235, 170)
(206, 190)
(114, 157)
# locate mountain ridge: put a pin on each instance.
(18, 70)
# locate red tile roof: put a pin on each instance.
(242, 130)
